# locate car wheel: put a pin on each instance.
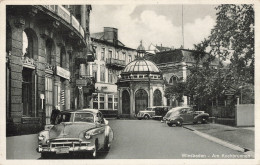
(169, 124)
(204, 121)
(146, 117)
(95, 151)
(179, 123)
(106, 144)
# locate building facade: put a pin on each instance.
(46, 52)
(141, 85)
(175, 64)
(111, 56)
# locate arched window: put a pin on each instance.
(157, 98)
(173, 80)
(49, 47)
(29, 43)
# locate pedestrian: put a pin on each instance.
(54, 114)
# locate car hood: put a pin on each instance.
(144, 111)
(69, 130)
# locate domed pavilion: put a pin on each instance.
(140, 86)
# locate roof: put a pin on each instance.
(141, 65)
(179, 55)
(162, 48)
(100, 36)
(81, 110)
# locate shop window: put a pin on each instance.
(27, 92)
(48, 98)
(101, 101)
(110, 101)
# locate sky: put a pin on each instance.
(156, 24)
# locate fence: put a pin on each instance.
(245, 115)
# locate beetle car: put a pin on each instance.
(75, 131)
(180, 115)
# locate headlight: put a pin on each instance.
(41, 137)
(87, 135)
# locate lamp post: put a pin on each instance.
(240, 93)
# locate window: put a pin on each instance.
(129, 58)
(123, 56)
(110, 101)
(95, 51)
(48, 50)
(63, 57)
(117, 55)
(115, 102)
(95, 100)
(102, 73)
(48, 98)
(94, 71)
(110, 54)
(103, 54)
(27, 92)
(101, 101)
(173, 80)
(84, 117)
(110, 76)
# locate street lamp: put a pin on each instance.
(240, 93)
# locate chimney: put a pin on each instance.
(110, 34)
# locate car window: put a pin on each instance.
(63, 118)
(84, 117)
(189, 111)
(184, 111)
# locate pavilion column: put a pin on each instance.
(132, 103)
(150, 97)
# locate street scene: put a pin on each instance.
(147, 81)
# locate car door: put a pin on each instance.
(189, 115)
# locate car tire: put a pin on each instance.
(179, 123)
(169, 124)
(106, 144)
(146, 117)
(204, 121)
(93, 154)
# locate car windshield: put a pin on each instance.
(63, 117)
(84, 117)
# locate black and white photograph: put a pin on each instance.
(132, 82)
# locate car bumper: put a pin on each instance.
(85, 147)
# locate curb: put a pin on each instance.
(223, 143)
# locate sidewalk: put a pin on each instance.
(241, 137)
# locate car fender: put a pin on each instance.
(109, 133)
(179, 118)
(196, 118)
(147, 114)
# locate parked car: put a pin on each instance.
(75, 131)
(161, 111)
(180, 115)
(146, 114)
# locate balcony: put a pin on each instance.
(115, 63)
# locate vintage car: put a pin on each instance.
(84, 131)
(180, 115)
(146, 114)
(156, 112)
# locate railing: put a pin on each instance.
(67, 16)
(116, 62)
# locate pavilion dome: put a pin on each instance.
(141, 65)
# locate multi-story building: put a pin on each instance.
(111, 56)
(47, 52)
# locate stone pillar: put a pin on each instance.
(150, 97)
(119, 93)
(81, 98)
(132, 103)
(184, 71)
(67, 95)
(185, 100)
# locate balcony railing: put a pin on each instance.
(67, 16)
(115, 62)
